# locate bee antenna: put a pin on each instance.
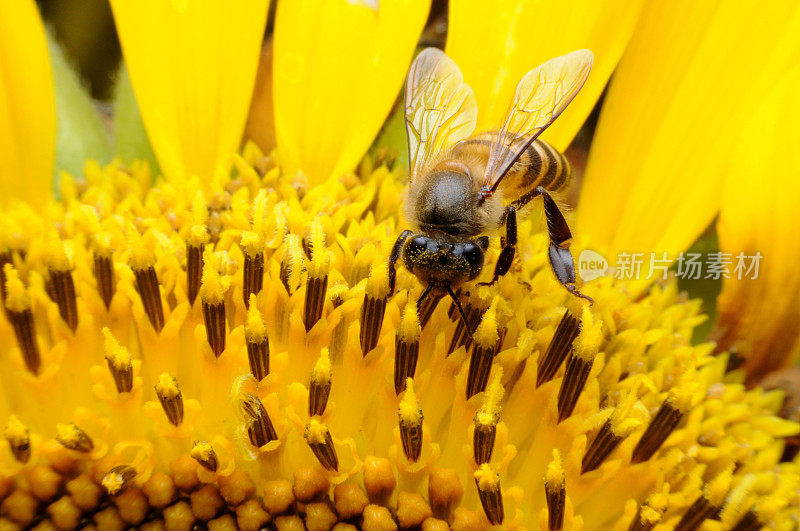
(460, 309)
(424, 294)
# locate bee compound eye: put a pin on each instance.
(473, 254)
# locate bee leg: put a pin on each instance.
(506, 257)
(560, 238)
(397, 248)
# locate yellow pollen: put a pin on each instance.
(621, 422)
(649, 516)
(409, 329)
(293, 260)
(487, 478)
(118, 355)
(316, 431)
(15, 430)
(17, 298)
(57, 258)
(486, 335)
(683, 395)
(102, 244)
(213, 286)
(554, 475)
(320, 257)
(717, 489)
(255, 330)
(141, 254)
(68, 433)
(409, 410)
(202, 451)
(321, 374)
(198, 235)
(252, 243)
(490, 411)
(589, 338)
(378, 281)
(113, 482)
(167, 386)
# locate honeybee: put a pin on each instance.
(464, 186)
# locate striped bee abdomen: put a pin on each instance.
(542, 165)
(539, 165)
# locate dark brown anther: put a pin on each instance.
(411, 437)
(320, 386)
(559, 347)
(480, 364)
(253, 275)
(483, 441)
(63, 288)
(372, 312)
(461, 336)
(19, 314)
(204, 454)
(194, 270)
(25, 330)
(255, 335)
(427, 307)
(662, 424)
(405, 362)
(316, 289)
(169, 394)
(118, 478)
(147, 286)
(121, 371)
(105, 277)
(214, 318)
(410, 420)
(575, 376)
(556, 503)
(258, 355)
(259, 426)
(19, 439)
(72, 437)
(603, 444)
(374, 307)
(748, 522)
(490, 494)
(699, 512)
(319, 439)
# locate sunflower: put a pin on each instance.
(221, 345)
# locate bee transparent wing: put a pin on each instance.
(440, 108)
(542, 95)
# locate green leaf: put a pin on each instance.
(80, 133)
(130, 138)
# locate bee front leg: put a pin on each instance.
(506, 257)
(397, 248)
(560, 238)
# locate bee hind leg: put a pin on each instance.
(506, 257)
(561, 260)
(397, 248)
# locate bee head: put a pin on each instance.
(442, 263)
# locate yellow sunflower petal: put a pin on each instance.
(496, 43)
(27, 105)
(338, 67)
(672, 116)
(192, 65)
(759, 317)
